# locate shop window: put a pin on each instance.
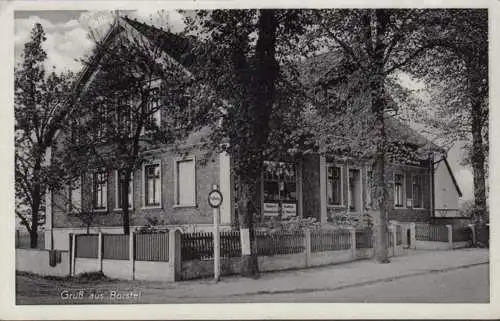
(280, 189)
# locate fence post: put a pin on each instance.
(307, 245)
(99, 250)
(73, 254)
(131, 252)
(413, 237)
(473, 230)
(352, 231)
(174, 254)
(450, 236)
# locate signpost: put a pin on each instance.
(215, 200)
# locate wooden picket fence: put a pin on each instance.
(115, 246)
(279, 243)
(330, 240)
(364, 238)
(151, 247)
(87, 246)
(428, 232)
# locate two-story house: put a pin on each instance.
(172, 187)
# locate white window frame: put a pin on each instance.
(421, 207)
(70, 189)
(369, 188)
(403, 196)
(105, 208)
(178, 160)
(143, 184)
(342, 204)
(117, 191)
(361, 201)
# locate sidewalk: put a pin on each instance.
(331, 277)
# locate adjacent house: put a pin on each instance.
(172, 187)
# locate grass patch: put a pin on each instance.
(80, 278)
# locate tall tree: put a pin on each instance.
(241, 56)
(40, 106)
(456, 70)
(375, 43)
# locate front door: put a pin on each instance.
(280, 189)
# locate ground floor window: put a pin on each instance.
(417, 191)
(186, 182)
(354, 190)
(120, 187)
(152, 184)
(398, 190)
(100, 191)
(334, 185)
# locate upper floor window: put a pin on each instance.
(398, 190)
(154, 108)
(74, 196)
(152, 184)
(100, 191)
(334, 185)
(417, 191)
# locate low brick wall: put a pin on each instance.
(461, 245)
(153, 271)
(282, 262)
(432, 245)
(330, 257)
(38, 261)
(119, 269)
(364, 253)
(196, 269)
(86, 265)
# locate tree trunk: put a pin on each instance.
(378, 108)
(261, 97)
(35, 208)
(478, 157)
(247, 211)
(124, 200)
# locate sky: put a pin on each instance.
(67, 41)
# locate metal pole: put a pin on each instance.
(216, 234)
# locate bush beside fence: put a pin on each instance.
(462, 234)
(23, 240)
(364, 238)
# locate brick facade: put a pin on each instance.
(207, 174)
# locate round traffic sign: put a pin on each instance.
(214, 198)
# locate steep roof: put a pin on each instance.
(330, 68)
(317, 70)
